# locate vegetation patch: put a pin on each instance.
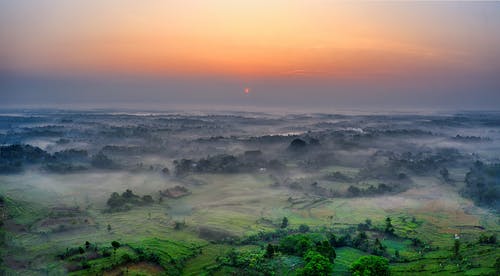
(126, 200)
(175, 192)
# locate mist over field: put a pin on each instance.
(185, 192)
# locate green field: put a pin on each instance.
(234, 206)
(345, 257)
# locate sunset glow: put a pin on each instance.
(241, 38)
(339, 44)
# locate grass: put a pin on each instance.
(236, 203)
(200, 264)
(136, 269)
(345, 257)
(167, 250)
(23, 212)
(348, 171)
(393, 245)
(105, 263)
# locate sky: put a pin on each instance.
(311, 54)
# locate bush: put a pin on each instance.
(297, 244)
(303, 228)
(126, 258)
(316, 264)
(370, 265)
(123, 202)
(284, 223)
(482, 185)
(484, 239)
(325, 249)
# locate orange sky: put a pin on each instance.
(242, 38)
(307, 52)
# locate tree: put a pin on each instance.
(303, 228)
(102, 161)
(354, 191)
(360, 239)
(284, 222)
(297, 145)
(332, 239)
(325, 249)
(456, 248)
(370, 265)
(389, 229)
(482, 185)
(379, 248)
(128, 194)
(178, 225)
(269, 251)
(497, 265)
(316, 264)
(115, 200)
(445, 174)
(296, 244)
(484, 239)
(115, 245)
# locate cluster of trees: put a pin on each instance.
(226, 163)
(314, 250)
(297, 145)
(299, 244)
(445, 175)
(381, 188)
(482, 185)
(78, 258)
(87, 247)
(101, 161)
(316, 264)
(390, 165)
(425, 162)
(487, 239)
(339, 177)
(370, 265)
(14, 158)
(470, 138)
(126, 200)
(303, 241)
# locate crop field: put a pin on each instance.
(242, 205)
(235, 204)
(144, 207)
(345, 257)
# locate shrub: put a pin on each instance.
(370, 265)
(316, 264)
(297, 244)
(303, 228)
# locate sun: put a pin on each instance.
(247, 90)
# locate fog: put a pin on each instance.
(219, 175)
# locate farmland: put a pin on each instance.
(229, 196)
